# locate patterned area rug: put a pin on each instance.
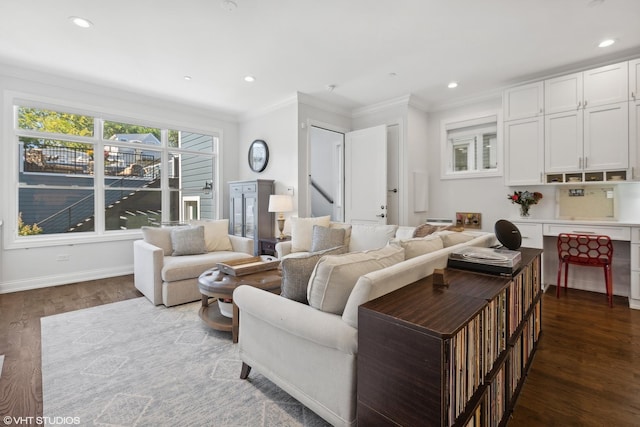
(133, 364)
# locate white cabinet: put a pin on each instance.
(522, 102)
(606, 137)
(600, 86)
(634, 80)
(531, 234)
(634, 138)
(563, 93)
(563, 141)
(524, 151)
(634, 293)
(590, 140)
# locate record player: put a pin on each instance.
(485, 260)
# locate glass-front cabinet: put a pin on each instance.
(248, 206)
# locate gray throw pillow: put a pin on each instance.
(188, 241)
(326, 238)
(296, 272)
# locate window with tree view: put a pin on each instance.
(81, 173)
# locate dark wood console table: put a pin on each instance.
(449, 355)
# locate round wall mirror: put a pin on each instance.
(258, 155)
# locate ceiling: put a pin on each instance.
(370, 50)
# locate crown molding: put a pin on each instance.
(312, 101)
(254, 114)
(408, 100)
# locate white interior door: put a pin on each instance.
(366, 176)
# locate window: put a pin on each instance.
(471, 147)
(79, 173)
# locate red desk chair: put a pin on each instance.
(588, 250)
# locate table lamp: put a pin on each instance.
(280, 204)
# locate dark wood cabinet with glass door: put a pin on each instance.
(248, 210)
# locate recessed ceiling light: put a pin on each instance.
(81, 22)
(228, 5)
(249, 79)
(452, 85)
(187, 78)
(606, 43)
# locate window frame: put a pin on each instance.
(458, 124)
(14, 100)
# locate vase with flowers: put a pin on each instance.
(525, 199)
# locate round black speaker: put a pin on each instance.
(508, 234)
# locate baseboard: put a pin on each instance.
(63, 279)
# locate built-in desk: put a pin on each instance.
(542, 233)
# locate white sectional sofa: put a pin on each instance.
(311, 353)
(165, 278)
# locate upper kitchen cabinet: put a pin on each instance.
(522, 102)
(634, 80)
(634, 137)
(592, 88)
(593, 139)
(524, 151)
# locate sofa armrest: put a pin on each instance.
(283, 248)
(296, 319)
(241, 244)
(147, 270)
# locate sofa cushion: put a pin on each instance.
(365, 237)
(216, 234)
(188, 241)
(419, 246)
(297, 270)
(302, 231)
(160, 237)
(450, 238)
(326, 237)
(176, 268)
(335, 275)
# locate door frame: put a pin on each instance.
(306, 181)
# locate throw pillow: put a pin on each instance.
(188, 241)
(302, 231)
(366, 237)
(326, 237)
(450, 238)
(216, 234)
(335, 276)
(424, 230)
(420, 246)
(296, 272)
(347, 231)
(160, 237)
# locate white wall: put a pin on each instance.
(37, 266)
(485, 195)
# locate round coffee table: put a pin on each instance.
(215, 284)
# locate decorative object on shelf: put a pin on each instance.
(280, 203)
(525, 199)
(258, 155)
(508, 234)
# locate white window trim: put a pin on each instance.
(490, 117)
(10, 213)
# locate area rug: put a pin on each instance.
(132, 364)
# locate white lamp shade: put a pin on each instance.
(280, 203)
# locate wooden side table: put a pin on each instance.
(267, 245)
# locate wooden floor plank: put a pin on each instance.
(585, 372)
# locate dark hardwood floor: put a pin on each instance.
(20, 313)
(586, 371)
